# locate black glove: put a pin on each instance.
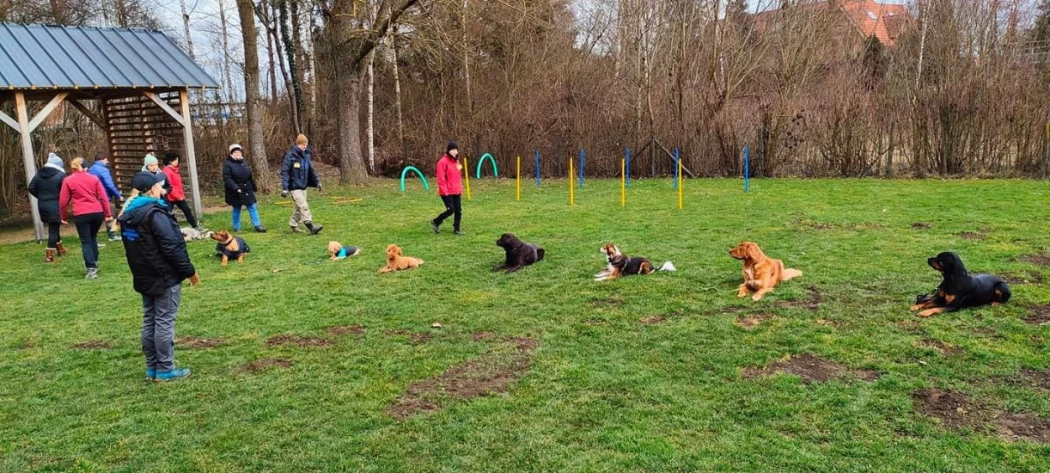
(318, 187)
(284, 192)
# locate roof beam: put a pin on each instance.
(164, 105)
(87, 113)
(50, 107)
(11, 122)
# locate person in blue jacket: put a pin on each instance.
(297, 173)
(100, 169)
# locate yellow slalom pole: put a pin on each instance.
(681, 181)
(466, 172)
(517, 179)
(572, 198)
(623, 183)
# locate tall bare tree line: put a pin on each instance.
(380, 84)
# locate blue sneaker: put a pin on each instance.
(173, 374)
(151, 374)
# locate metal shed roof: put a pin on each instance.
(60, 57)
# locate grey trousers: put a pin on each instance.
(301, 210)
(158, 328)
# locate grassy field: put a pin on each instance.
(303, 364)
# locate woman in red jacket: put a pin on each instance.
(90, 208)
(177, 195)
(450, 188)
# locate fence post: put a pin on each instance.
(583, 155)
(889, 156)
(747, 168)
(537, 168)
(628, 166)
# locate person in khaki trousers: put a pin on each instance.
(297, 174)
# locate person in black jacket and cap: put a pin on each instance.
(46, 186)
(297, 173)
(239, 182)
(157, 257)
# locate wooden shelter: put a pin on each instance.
(134, 84)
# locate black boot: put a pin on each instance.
(260, 229)
(314, 229)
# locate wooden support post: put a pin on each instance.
(50, 107)
(27, 156)
(191, 156)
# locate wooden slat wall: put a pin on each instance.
(136, 126)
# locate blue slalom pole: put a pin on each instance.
(747, 167)
(628, 167)
(582, 156)
(537, 168)
(676, 168)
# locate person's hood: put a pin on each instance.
(47, 172)
(138, 208)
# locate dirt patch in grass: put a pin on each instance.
(593, 322)
(196, 343)
(732, 310)
(483, 336)
(828, 323)
(92, 345)
(1038, 378)
(752, 321)
(940, 347)
(912, 326)
(1023, 277)
(922, 226)
(420, 338)
(297, 340)
(611, 302)
(812, 369)
(652, 320)
(1038, 315)
(812, 303)
(488, 374)
(346, 330)
(264, 364)
(1041, 259)
(952, 408)
(1015, 427)
(970, 235)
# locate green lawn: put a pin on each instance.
(601, 391)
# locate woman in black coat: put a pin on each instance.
(46, 187)
(240, 188)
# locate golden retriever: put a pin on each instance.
(761, 273)
(395, 261)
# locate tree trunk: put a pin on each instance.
(397, 96)
(371, 112)
(351, 162)
(251, 93)
(186, 28)
(293, 70)
(226, 56)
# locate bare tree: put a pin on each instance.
(250, 34)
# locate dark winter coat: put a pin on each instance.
(239, 182)
(297, 170)
(154, 246)
(46, 186)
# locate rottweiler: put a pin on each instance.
(959, 290)
(519, 253)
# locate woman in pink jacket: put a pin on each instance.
(90, 208)
(450, 188)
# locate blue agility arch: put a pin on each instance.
(418, 173)
(481, 160)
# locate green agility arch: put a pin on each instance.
(481, 160)
(418, 173)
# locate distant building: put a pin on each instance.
(856, 19)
